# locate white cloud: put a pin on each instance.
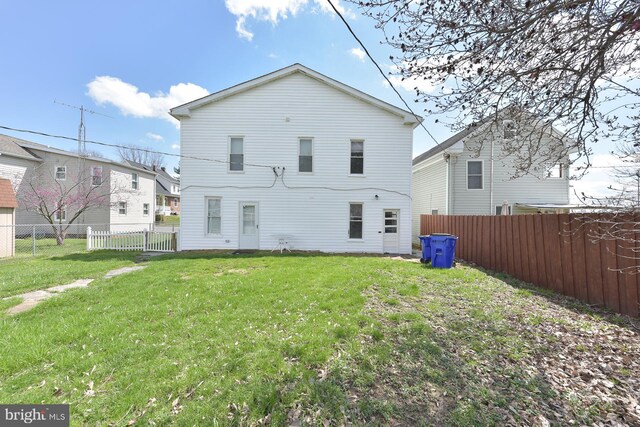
(155, 136)
(273, 11)
(411, 83)
(132, 102)
(597, 179)
(175, 146)
(358, 53)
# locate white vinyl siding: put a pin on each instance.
(214, 215)
(429, 191)
(311, 212)
(305, 155)
(236, 154)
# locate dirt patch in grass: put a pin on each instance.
(486, 352)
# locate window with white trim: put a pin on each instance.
(474, 175)
(554, 171)
(214, 215)
(355, 220)
(96, 175)
(134, 181)
(145, 209)
(236, 154)
(357, 157)
(60, 215)
(61, 173)
(305, 155)
(122, 208)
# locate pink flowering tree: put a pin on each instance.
(62, 202)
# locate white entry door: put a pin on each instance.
(249, 238)
(391, 227)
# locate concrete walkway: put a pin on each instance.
(33, 298)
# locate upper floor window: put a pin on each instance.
(474, 175)
(236, 154)
(305, 155)
(122, 208)
(509, 129)
(554, 171)
(134, 181)
(96, 175)
(357, 157)
(61, 173)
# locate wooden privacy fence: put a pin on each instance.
(573, 254)
(152, 241)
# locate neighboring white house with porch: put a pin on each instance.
(307, 162)
(470, 174)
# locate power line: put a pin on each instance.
(146, 150)
(380, 69)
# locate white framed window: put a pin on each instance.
(145, 209)
(236, 154)
(96, 175)
(509, 129)
(434, 211)
(356, 166)
(61, 173)
(214, 215)
(175, 203)
(554, 171)
(475, 178)
(305, 155)
(134, 181)
(355, 220)
(60, 215)
(122, 208)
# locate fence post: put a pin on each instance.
(144, 240)
(33, 240)
(88, 238)
(174, 242)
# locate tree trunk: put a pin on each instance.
(60, 235)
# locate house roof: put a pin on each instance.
(185, 109)
(447, 143)
(162, 190)
(17, 147)
(7, 196)
(11, 146)
(159, 171)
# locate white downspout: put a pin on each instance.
(491, 180)
(446, 186)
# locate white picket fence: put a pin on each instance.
(151, 241)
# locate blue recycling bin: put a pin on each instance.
(425, 244)
(443, 250)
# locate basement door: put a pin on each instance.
(391, 241)
(249, 237)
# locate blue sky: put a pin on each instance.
(132, 60)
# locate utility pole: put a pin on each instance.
(82, 129)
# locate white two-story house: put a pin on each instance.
(295, 157)
(471, 174)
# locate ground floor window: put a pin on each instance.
(355, 220)
(145, 209)
(214, 215)
(122, 208)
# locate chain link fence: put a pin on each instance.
(27, 240)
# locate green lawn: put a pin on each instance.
(217, 339)
(48, 247)
(19, 275)
(170, 219)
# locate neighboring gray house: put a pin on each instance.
(167, 190)
(23, 162)
(468, 174)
